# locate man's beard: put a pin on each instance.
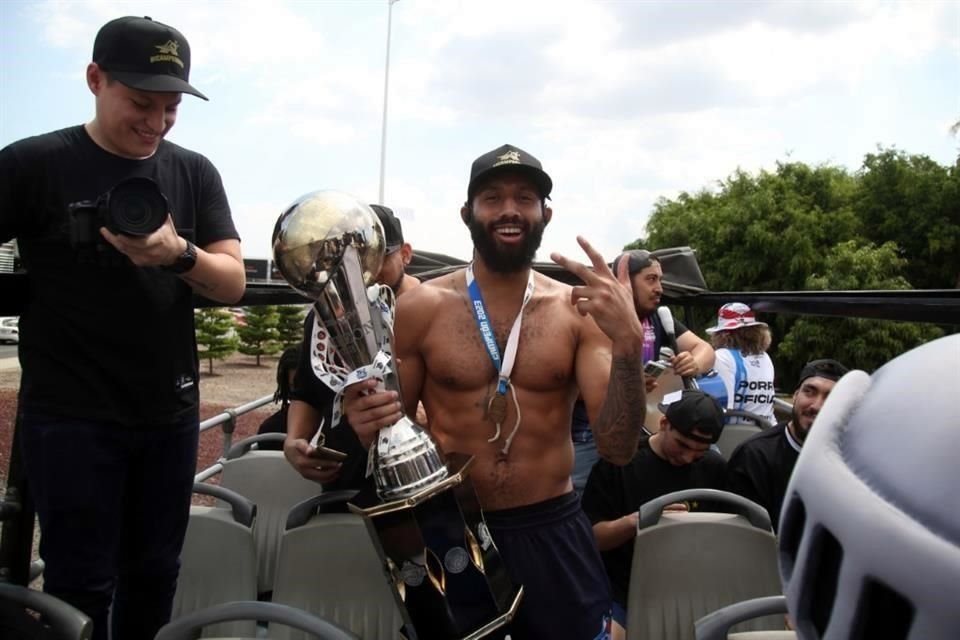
(800, 432)
(506, 259)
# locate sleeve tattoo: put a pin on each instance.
(618, 426)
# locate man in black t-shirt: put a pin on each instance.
(312, 400)
(108, 404)
(694, 355)
(677, 457)
(760, 467)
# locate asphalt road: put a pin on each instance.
(8, 351)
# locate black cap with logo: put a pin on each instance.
(392, 231)
(144, 54)
(508, 158)
(693, 410)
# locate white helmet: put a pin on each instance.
(870, 533)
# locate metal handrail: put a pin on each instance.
(230, 415)
(228, 419)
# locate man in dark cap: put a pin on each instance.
(760, 467)
(695, 355)
(495, 341)
(108, 404)
(675, 458)
(398, 253)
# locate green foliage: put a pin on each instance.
(915, 202)
(760, 233)
(894, 224)
(215, 334)
(290, 324)
(259, 335)
(860, 343)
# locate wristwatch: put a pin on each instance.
(185, 261)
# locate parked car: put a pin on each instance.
(9, 330)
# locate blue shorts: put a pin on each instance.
(549, 548)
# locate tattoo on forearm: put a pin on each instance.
(617, 428)
(197, 284)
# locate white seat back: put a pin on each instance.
(328, 566)
(218, 563)
(686, 565)
(266, 478)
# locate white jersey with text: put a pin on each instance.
(749, 383)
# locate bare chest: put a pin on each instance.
(456, 355)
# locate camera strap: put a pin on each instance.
(497, 406)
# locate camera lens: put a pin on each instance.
(137, 207)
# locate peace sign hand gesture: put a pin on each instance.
(605, 296)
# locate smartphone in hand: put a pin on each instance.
(325, 453)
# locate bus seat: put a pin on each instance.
(26, 614)
(186, 628)
(686, 565)
(266, 478)
(733, 435)
(218, 563)
(329, 567)
(716, 626)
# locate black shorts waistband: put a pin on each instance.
(538, 514)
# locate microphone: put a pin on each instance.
(666, 320)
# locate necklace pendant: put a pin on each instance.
(497, 409)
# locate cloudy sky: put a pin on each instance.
(623, 102)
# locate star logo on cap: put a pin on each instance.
(512, 157)
(170, 48)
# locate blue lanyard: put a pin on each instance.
(503, 366)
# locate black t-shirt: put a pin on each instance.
(661, 334)
(276, 423)
(101, 341)
(760, 469)
(310, 389)
(612, 492)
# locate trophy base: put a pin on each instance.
(448, 577)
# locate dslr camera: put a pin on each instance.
(134, 207)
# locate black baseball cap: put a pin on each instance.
(825, 368)
(639, 259)
(145, 54)
(508, 158)
(392, 231)
(692, 409)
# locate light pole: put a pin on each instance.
(386, 88)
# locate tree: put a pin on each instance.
(290, 324)
(858, 343)
(760, 233)
(259, 336)
(915, 202)
(215, 333)
(893, 224)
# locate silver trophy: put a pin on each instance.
(424, 516)
(330, 247)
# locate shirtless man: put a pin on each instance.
(584, 339)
